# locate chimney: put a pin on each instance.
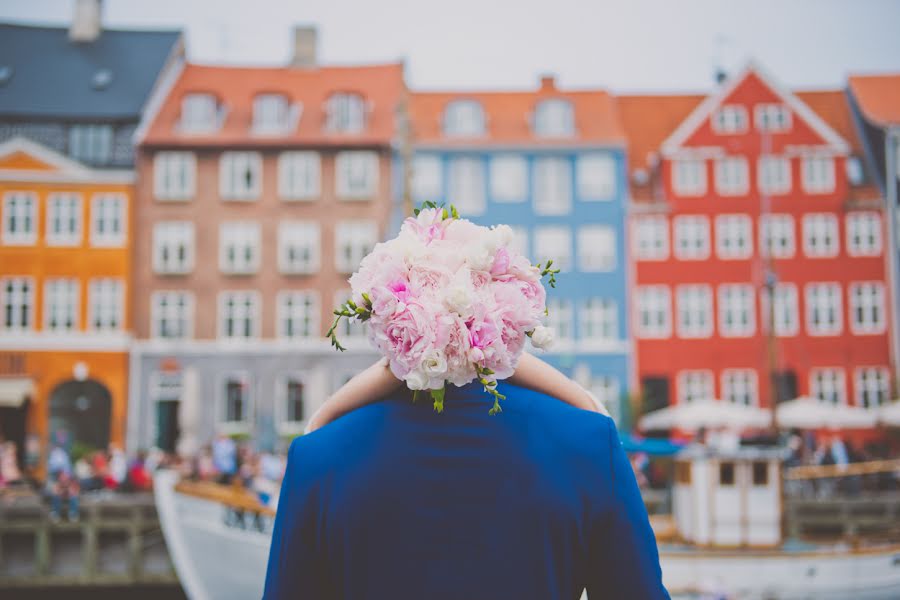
(85, 25)
(305, 41)
(548, 82)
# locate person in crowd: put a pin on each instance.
(118, 466)
(138, 477)
(224, 454)
(84, 474)
(61, 482)
(10, 475)
(206, 468)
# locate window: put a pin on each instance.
(199, 113)
(519, 243)
(173, 247)
(108, 224)
(596, 248)
(739, 386)
(654, 312)
(772, 117)
(349, 329)
(554, 118)
(596, 176)
(776, 233)
(737, 310)
(92, 144)
(353, 241)
(689, 176)
(464, 118)
(427, 180)
(785, 310)
(238, 315)
(867, 309)
(691, 237)
(823, 309)
(293, 398)
(650, 237)
(240, 175)
(695, 386)
(356, 174)
(856, 173)
(466, 185)
(820, 235)
(509, 178)
(554, 242)
(694, 311)
(346, 113)
(599, 320)
(298, 247)
(734, 239)
(64, 219)
(760, 473)
(172, 315)
(19, 218)
(730, 119)
(818, 174)
(18, 303)
(559, 319)
(726, 474)
(174, 175)
(61, 305)
(298, 315)
(872, 386)
(864, 234)
(299, 175)
(271, 114)
(236, 400)
(731, 176)
(239, 247)
(773, 175)
(606, 389)
(106, 304)
(828, 385)
(552, 186)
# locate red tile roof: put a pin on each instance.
(381, 86)
(878, 97)
(509, 115)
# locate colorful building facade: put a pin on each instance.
(70, 100)
(261, 189)
(549, 163)
(758, 245)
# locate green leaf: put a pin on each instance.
(438, 397)
(454, 212)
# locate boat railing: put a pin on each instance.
(872, 467)
(234, 496)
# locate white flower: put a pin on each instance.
(479, 257)
(458, 295)
(503, 235)
(434, 363)
(416, 380)
(542, 337)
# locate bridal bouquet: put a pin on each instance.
(448, 301)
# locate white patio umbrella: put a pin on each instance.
(890, 415)
(811, 413)
(709, 413)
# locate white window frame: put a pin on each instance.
(734, 236)
(766, 116)
(169, 310)
(597, 248)
(299, 175)
(787, 309)
(271, 114)
(835, 385)
(357, 236)
(106, 304)
(466, 187)
(821, 235)
(311, 309)
(347, 113)
(871, 381)
(554, 242)
(174, 176)
(608, 390)
(732, 175)
(552, 185)
(596, 176)
(817, 174)
(305, 235)
(245, 379)
(597, 314)
(864, 233)
(62, 298)
(737, 310)
(654, 302)
(694, 309)
(509, 178)
(773, 174)
(250, 311)
(24, 296)
(286, 426)
(64, 207)
(100, 213)
(169, 238)
(554, 117)
(650, 237)
(427, 179)
(464, 118)
(561, 319)
(779, 224)
(816, 303)
(691, 237)
(25, 205)
(730, 119)
(232, 166)
(736, 383)
(350, 165)
(689, 176)
(873, 306)
(695, 385)
(351, 330)
(241, 235)
(200, 113)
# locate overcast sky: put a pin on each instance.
(623, 45)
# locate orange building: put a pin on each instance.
(64, 281)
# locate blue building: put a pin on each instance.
(551, 164)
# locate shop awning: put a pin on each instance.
(14, 390)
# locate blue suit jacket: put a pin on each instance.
(394, 501)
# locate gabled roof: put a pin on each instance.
(52, 77)
(706, 108)
(509, 114)
(878, 97)
(22, 159)
(381, 86)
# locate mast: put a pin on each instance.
(770, 281)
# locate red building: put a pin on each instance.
(750, 189)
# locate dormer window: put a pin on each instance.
(464, 118)
(772, 117)
(199, 113)
(346, 113)
(730, 119)
(554, 118)
(271, 114)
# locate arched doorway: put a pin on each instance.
(83, 410)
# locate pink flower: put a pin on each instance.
(501, 263)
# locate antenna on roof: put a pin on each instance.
(719, 72)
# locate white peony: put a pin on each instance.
(416, 380)
(502, 236)
(479, 257)
(542, 337)
(434, 364)
(458, 296)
